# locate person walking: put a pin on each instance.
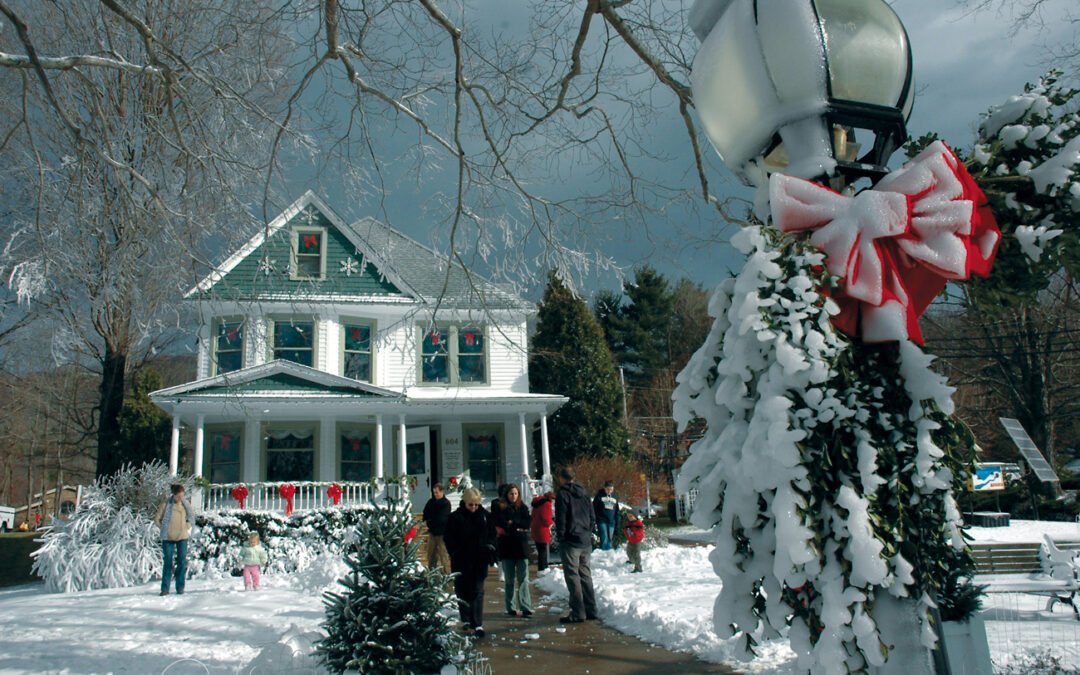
(606, 505)
(635, 534)
(174, 518)
(512, 524)
(436, 513)
(470, 540)
(574, 520)
(540, 526)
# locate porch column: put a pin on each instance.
(401, 446)
(197, 469)
(378, 447)
(174, 447)
(328, 445)
(526, 486)
(251, 466)
(545, 453)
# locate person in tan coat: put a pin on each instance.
(174, 517)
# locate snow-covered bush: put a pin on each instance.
(824, 467)
(111, 540)
(393, 615)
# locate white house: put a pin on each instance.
(334, 352)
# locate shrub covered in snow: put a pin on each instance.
(393, 616)
(826, 468)
(111, 540)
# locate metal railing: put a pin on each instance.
(266, 497)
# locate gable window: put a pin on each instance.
(357, 353)
(228, 346)
(308, 248)
(290, 453)
(355, 457)
(224, 455)
(294, 340)
(453, 355)
(482, 454)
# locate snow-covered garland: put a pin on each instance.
(810, 531)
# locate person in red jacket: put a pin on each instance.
(635, 534)
(540, 529)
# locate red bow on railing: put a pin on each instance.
(334, 492)
(897, 244)
(240, 493)
(287, 490)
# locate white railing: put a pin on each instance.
(266, 497)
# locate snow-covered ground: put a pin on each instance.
(215, 627)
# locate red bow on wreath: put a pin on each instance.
(334, 492)
(240, 493)
(453, 482)
(287, 491)
(897, 244)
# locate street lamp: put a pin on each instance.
(801, 86)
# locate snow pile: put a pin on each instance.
(820, 469)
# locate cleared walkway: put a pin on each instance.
(588, 647)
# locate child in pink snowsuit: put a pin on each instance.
(252, 556)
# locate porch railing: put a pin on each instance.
(265, 496)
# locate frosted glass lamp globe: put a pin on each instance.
(801, 86)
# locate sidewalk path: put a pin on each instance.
(588, 647)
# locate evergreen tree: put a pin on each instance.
(570, 357)
(637, 332)
(144, 429)
(390, 619)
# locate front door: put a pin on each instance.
(417, 444)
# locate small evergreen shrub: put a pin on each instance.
(394, 614)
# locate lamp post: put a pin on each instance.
(812, 88)
(819, 90)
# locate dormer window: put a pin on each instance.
(228, 346)
(308, 248)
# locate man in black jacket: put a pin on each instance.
(574, 521)
(436, 513)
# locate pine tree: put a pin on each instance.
(570, 357)
(637, 332)
(144, 429)
(391, 617)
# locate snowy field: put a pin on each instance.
(217, 628)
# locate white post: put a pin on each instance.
(526, 487)
(328, 445)
(378, 459)
(545, 455)
(197, 468)
(400, 468)
(174, 447)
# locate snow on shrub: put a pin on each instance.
(822, 467)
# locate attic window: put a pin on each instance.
(308, 247)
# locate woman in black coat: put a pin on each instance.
(470, 540)
(512, 522)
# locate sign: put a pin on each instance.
(452, 459)
(988, 477)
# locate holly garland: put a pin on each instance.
(824, 464)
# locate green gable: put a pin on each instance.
(265, 271)
(283, 382)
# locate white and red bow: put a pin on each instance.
(897, 244)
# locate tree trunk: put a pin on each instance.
(110, 399)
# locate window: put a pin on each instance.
(357, 354)
(224, 455)
(290, 453)
(228, 347)
(355, 455)
(295, 341)
(453, 355)
(482, 453)
(308, 248)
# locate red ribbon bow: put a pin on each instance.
(897, 244)
(240, 493)
(310, 241)
(287, 490)
(410, 535)
(334, 492)
(453, 481)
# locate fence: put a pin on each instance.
(1021, 630)
(265, 496)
